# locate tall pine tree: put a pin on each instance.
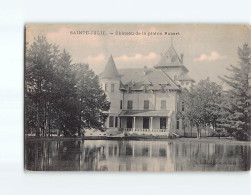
(237, 104)
(65, 100)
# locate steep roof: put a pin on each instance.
(153, 78)
(185, 78)
(170, 59)
(110, 70)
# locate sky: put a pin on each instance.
(208, 49)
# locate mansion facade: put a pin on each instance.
(146, 100)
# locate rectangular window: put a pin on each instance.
(162, 123)
(129, 122)
(112, 87)
(146, 104)
(178, 124)
(111, 119)
(129, 104)
(116, 121)
(121, 104)
(145, 122)
(163, 104)
(106, 87)
(183, 106)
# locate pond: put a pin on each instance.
(113, 155)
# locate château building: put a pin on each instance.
(147, 100)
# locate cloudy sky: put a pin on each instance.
(208, 49)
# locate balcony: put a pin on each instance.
(138, 131)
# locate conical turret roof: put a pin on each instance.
(110, 70)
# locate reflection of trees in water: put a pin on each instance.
(91, 159)
(135, 155)
(52, 155)
(69, 154)
(245, 153)
(37, 156)
(211, 157)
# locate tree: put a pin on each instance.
(41, 58)
(202, 105)
(92, 102)
(224, 115)
(60, 95)
(65, 92)
(239, 97)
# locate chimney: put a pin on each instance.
(181, 58)
(145, 70)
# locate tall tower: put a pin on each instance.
(110, 81)
(172, 64)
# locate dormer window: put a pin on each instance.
(146, 89)
(129, 89)
(163, 88)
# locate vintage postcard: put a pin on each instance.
(137, 97)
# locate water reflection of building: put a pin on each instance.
(104, 155)
(136, 156)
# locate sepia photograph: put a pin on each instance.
(137, 97)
